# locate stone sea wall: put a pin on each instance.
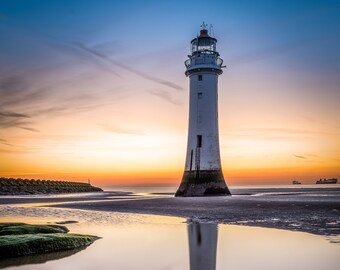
(18, 186)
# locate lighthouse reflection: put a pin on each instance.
(202, 245)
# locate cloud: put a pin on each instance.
(11, 85)
(165, 96)
(16, 90)
(13, 151)
(126, 67)
(13, 115)
(9, 119)
(27, 96)
(302, 157)
(121, 130)
(30, 129)
(5, 142)
(22, 101)
(81, 51)
(75, 51)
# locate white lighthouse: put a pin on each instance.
(203, 173)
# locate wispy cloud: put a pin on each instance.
(42, 92)
(30, 129)
(9, 119)
(298, 156)
(82, 51)
(4, 114)
(5, 142)
(165, 95)
(126, 67)
(15, 151)
(22, 101)
(121, 130)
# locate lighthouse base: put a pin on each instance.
(202, 183)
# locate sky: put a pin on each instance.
(96, 89)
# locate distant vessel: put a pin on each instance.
(327, 181)
(296, 182)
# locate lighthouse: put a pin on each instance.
(203, 173)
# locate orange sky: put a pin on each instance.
(141, 139)
(88, 96)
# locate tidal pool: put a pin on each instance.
(135, 241)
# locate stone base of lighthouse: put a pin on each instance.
(202, 183)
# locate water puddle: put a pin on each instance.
(134, 241)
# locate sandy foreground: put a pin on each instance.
(314, 210)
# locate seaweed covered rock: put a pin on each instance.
(23, 228)
(25, 244)
(19, 239)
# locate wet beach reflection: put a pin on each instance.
(38, 258)
(202, 245)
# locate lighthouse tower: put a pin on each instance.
(203, 173)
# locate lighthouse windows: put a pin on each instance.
(200, 77)
(199, 95)
(199, 141)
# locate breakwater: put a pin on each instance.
(18, 186)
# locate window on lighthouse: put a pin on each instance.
(199, 95)
(200, 77)
(199, 141)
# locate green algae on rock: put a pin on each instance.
(23, 228)
(19, 239)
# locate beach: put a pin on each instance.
(188, 233)
(311, 209)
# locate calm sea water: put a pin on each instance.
(135, 241)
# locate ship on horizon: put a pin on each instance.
(327, 181)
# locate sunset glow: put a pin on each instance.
(106, 98)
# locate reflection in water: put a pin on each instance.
(134, 241)
(38, 258)
(202, 245)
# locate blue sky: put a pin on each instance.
(136, 27)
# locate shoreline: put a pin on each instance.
(315, 211)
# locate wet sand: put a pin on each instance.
(314, 210)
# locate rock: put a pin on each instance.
(66, 222)
(26, 244)
(23, 228)
(19, 239)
